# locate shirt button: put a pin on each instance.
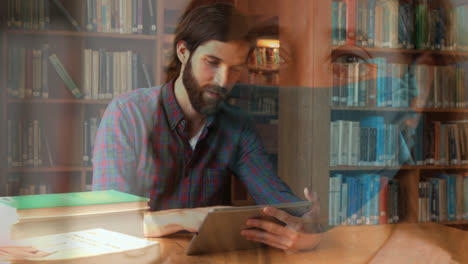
(182, 122)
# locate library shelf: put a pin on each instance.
(400, 109)
(66, 33)
(403, 167)
(50, 169)
(57, 101)
(373, 51)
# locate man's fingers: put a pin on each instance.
(291, 221)
(267, 238)
(269, 227)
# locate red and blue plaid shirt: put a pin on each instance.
(142, 147)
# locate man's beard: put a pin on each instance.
(200, 101)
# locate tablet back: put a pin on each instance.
(221, 229)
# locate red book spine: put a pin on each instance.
(351, 22)
(383, 200)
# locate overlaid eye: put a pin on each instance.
(348, 58)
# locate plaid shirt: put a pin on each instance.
(142, 147)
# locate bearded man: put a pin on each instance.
(178, 143)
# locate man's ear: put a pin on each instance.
(182, 52)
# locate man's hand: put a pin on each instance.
(295, 236)
(165, 222)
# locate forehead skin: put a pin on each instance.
(233, 53)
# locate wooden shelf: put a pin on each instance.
(399, 109)
(369, 109)
(400, 51)
(372, 168)
(443, 167)
(65, 33)
(49, 169)
(263, 69)
(456, 222)
(404, 167)
(56, 101)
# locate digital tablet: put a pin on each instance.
(221, 229)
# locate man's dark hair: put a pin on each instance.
(202, 23)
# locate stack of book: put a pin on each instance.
(36, 215)
(365, 199)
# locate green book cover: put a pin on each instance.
(58, 66)
(69, 199)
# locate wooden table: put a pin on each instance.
(402, 243)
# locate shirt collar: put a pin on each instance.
(173, 111)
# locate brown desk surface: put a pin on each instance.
(402, 243)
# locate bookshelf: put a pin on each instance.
(60, 115)
(430, 148)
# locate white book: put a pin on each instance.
(95, 75)
(129, 72)
(116, 82)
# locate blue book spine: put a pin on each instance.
(388, 91)
(335, 23)
(381, 80)
(376, 198)
(359, 201)
(344, 203)
(351, 196)
(452, 193)
(367, 202)
(378, 123)
(371, 23)
(104, 17)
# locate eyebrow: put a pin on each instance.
(219, 59)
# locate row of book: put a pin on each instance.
(413, 24)
(445, 143)
(365, 199)
(28, 72)
(117, 16)
(368, 142)
(378, 84)
(442, 86)
(121, 16)
(90, 128)
(372, 142)
(443, 198)
(107, 74)
(264, 57)
(28, 144)
(14, 187)
(29, 14)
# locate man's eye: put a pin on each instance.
(212, 62)
(348, 58)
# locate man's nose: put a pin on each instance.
(222, 76)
